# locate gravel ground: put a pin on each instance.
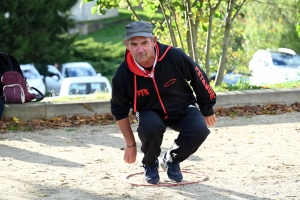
(243, 158)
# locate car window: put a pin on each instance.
(99, 87)
(29, 74)
(286, 60)
(87, 88)
(78, 71)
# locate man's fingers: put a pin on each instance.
(211, 120)
(130, 155)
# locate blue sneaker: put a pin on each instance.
(151, 173)
(172, 168)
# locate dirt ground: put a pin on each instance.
(243, 158)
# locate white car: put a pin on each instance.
(274, 66)
(33, 78)
(231, 78)
(84, 85)
(53, 80)
(75, 69)
(54, 77)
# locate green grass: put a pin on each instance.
(17, 128)
(90, 97)
(289, 84)
(247, 86)
(113, 34)
(71, 129)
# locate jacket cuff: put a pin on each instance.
(207, 113)
(119, 117)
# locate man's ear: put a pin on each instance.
(154, 39)
(126, 44)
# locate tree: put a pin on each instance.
(37, 30)
(230, 16)
(184, 20)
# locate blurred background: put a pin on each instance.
(262, 37)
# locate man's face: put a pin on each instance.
(142, 50)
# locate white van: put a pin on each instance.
(84, 85)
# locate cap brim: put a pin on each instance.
(141, 34)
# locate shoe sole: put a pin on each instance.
(153, 183)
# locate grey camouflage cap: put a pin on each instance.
(138, 28)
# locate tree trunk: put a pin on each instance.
(228, 26)
(207, 47)
(169, 24)
(191, 32)
(210, 25)
(223, 58)
(177, 28)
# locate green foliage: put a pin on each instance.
(272, 26)
(37, 30)
(264, 29)
(102, 6)
(90, 50)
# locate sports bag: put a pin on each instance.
(15, 89)
(8, 63)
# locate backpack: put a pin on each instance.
(14, 87)
(8, 63)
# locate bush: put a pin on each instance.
(106, 68)
(90, 50)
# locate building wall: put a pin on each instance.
(84, 13)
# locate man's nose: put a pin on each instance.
(140, 48)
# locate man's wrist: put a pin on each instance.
(131, 146)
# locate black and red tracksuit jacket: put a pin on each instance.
(175, 77)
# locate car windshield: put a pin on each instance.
(78, 71)
(87, 88)
(284, 59)
(28, 74)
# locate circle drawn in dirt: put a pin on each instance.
(200, 177)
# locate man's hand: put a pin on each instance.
(130, 155)
(130, 149)
(210, 120)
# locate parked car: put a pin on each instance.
(75, 69)
(33, 78)
(54, 77)
(274, 66)
(231, 78)
(84, 85)
(53, 80)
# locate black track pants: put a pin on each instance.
(189, 123)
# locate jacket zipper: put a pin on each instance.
(158, 94)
